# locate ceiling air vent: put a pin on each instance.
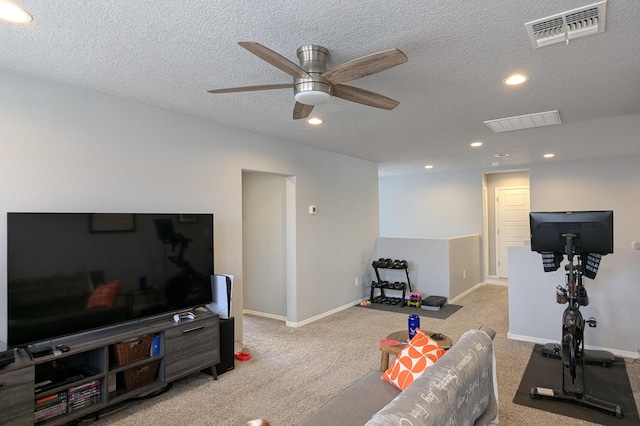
(519, 122)
(567, 25)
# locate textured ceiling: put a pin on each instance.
(169, 53)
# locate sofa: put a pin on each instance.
(460, 388)
(40, 306)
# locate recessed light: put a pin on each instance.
(428, 166)
(11, 12)
(315, 121)
(515, 79)
(549, 155)
(476, 144)
(501, 155)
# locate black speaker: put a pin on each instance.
(227, 360)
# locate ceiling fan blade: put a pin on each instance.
(301, 110)
(274, 59)
(252, 88)
(365, 66)
(364, 97)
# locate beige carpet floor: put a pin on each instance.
(293, 371)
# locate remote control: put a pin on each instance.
(63, 348)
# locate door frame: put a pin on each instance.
(289, 266)
(497, 189)
(488, 225)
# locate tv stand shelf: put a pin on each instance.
(70, 385)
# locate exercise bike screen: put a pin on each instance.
(593, 231)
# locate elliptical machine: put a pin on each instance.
(571, 349)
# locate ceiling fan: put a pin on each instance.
(313, 84)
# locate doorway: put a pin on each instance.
(512, 224)
(506, 223)
(268, 241)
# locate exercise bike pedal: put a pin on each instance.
(592, 322)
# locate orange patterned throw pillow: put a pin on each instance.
(104, 294)
(414, 359)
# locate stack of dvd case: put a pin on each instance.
(84, 395)
(51, 406)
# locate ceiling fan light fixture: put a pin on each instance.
(11, 12)
(313, 97)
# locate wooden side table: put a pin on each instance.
(403, 336)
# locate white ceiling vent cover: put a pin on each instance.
(520, 122)
(568, 25)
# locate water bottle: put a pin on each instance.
(414, 323)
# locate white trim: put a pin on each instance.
(464, 293)
(323, 315)
(618, 352)
(264, 315)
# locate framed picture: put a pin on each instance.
(112, 222)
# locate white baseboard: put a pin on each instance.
(322, 315)
(264, 315)
(537, 340)
(297, 324)
(464, 293)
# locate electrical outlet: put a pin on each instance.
(356, 282)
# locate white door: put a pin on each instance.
(512, 224)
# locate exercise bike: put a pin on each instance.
(571, 350)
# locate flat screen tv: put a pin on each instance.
(593, 230)
(69, 273)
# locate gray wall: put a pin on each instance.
(70, 149)
(431, 205)
(264, 243)
(597, 184)
(437, 266)
(534, 314)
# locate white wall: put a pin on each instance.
(69, 149)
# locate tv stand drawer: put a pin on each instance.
(191, 346)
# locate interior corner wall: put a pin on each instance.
(464, 264)
(67, 149)
(428, 264)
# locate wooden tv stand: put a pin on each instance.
(188, 347)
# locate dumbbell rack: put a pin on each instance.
(383, 285)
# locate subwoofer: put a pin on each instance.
(227, 360)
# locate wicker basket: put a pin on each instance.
(131, 350)
(141, 375)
